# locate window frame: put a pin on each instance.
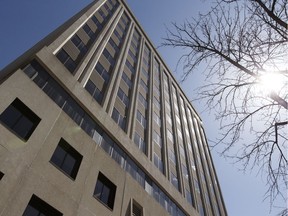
(25, 115)
(69, 152)
(105, 183)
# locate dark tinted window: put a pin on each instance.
(37, 207)
(20, 119)
(66, 158)
(105, 190)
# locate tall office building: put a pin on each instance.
(94, 123)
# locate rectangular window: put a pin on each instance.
(1, 175)
(102, 72)
(105, 191)
(144, 85)
(139, 141)
(119, 119)
(188, 196)
(114, 45)
(126, 79)
(97, 23)
(123, 97)
(174, 180)
(157, 139)
(142, 100)
(109, 57)
(132, 55)
(68, 62)
(66, 158)
(136, 209)
(37, 207)
(145, 73)
(157, 119)
(79, 44)
(94, 91)
(141, 119)
(157, 103)
(170, 135)
(158, 162)
(172, 156)
(185, 172)
(131, 68)
(20, 119)
(88, 30)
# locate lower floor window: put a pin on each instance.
(105, 190)
(37, 207)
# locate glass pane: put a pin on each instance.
(23, 127)
(98, 189)
(30, 211)
(10, 116)
(105, 194)
(69, 164)
(58, 156)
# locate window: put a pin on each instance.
(102, 14)
(174, 180)
(119, 119)
(79, 44)
(144, 85)
(123, 97)
(170, 135)
(66, 158)
(37, 207)
(109, 57)
(102, 72)
(136, 209)
(139, 141)
(158, 162)
(145, 73)
(97, 23)
(185, 172)
(105, 191)
(66, 60)
(126, 79)
(114, 45)
(117, 34)
(157, 139)
(133, 45)
(20, 119)
(182, 152)
(1, 175)
(188, 196)
(157, 103)
(157, 119)
(94, 91)
(141, 119)
(172, 156)
(142, 100)
(156, 91)
(131, 68)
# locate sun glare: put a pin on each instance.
(271, 82)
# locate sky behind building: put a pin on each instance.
(23, 23)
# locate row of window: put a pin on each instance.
(70, 63)
(119, 118)
(80, 117)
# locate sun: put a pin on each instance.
(272, 82)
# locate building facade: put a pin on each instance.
(94, 123)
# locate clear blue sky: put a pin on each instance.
(23, 23)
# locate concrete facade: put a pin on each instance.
(123, 112)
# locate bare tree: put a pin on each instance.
(241, 42)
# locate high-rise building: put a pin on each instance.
(94, 123)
